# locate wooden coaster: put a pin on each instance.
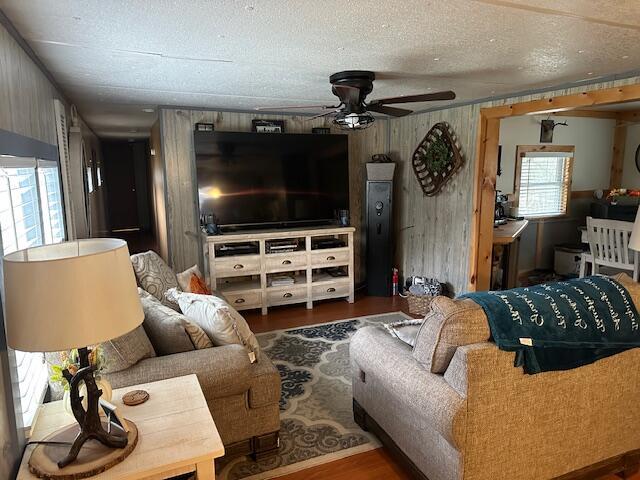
(135, 397)
(94, 457)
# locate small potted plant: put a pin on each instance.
(70, 360)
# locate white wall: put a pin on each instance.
(593, 142)
(630, 174)
(592, 137)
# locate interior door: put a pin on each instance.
(121, 186)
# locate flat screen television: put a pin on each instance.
(249, 180)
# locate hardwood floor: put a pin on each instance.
(326, 311)
(373, 465)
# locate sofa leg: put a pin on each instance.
(360, 416)
(266, 445)
(628, 472)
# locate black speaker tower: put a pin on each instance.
(379, 237)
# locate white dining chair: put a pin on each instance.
(609, 247)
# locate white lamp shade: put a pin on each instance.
(70, 295)
(634, 240)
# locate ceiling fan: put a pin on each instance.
(354, 112)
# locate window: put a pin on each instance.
(543, 180)
(31, 214)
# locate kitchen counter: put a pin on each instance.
(509, 232)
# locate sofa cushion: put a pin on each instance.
(405, 330)
(165, 327)
(198, 336)
(220, 321)
(449, 324)
(126, 350)
(154, 276)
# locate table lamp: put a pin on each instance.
(73, 295)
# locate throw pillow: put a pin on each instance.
(126, 350)
(154, 275)
(198, 336)
(165, 327)
(220, 321)
(405, 330)
(192, 281)
(449, 325)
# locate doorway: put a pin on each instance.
(126, 165)
(484, 201)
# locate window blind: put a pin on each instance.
(545, 182)
(31, 214)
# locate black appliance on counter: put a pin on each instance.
(604, 209)
(500, 216)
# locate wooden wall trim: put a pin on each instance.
(626, 93)
(617, 158)
(487, 164)
(603, 114)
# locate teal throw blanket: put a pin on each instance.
(563, 325)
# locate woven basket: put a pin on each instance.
(419, 304)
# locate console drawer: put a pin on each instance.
(281, 262)
(237, 266)
(329, 257)
(284, 295)
(330, 290)
(244, 300)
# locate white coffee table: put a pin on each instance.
(176, 432)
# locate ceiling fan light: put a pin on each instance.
(353, 121)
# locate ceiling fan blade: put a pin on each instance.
(322, 115)
(283, 108)
(426, 97)
(349, 95)
(394, 112)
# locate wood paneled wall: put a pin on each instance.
(26, 95)
(26, 108)
(158, 191)
(433, 233)
(179, 170)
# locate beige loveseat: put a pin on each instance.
(456, 407)
(243, 397)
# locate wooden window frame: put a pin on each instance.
(522, 151)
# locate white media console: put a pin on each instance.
(254, 279)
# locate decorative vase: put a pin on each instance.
(102, 383)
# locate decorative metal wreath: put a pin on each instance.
(437, 158)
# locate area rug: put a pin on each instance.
(316, 418)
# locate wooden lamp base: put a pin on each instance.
(93, 458)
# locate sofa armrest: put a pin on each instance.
(483, 356)
(427, 397)
(221, 371)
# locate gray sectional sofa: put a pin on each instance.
(455, 407)
(243, 397)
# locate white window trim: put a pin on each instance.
(566, 151)
(28, 417)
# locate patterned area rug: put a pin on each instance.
(316, 419)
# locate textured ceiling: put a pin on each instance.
(114, 58)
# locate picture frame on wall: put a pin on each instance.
(267, 126)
